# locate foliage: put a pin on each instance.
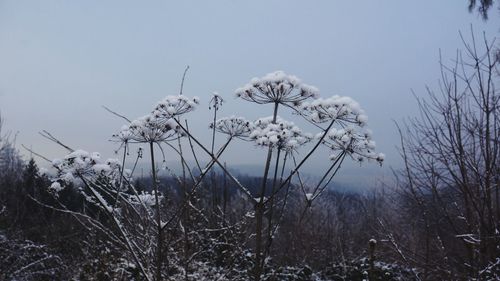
(482, 7)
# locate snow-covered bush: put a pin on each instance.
(26, 260)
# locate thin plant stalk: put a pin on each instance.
(259, 210)
(159, 254)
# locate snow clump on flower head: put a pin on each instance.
(334, 108)
(81, 164)
(233, 126)
(172, 106)
(358, 145)
(158, 125)
(149, 128)
(282, 134)
(277, 87)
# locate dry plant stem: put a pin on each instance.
(139, 155)
(274, 228)
(216, 160)
(50, 137)
(122, 169)
(213, 129)
(185, 213)
(159, 254)
(183, 78)
(271, 206)
(36, 154)
(338, 163)
(304, 159)
(215, 101)
(281, 212)
(184, 185)
(225, 198)
(192, 148)
(198, 182)
(259, 209)
(301, 183)
(119, 227)
(183, 161)
(317, 193)
(116, 114)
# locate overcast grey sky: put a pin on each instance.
(61, 60)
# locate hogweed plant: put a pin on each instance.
(345, 122)
(139, 220)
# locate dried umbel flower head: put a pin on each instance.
(216, 101)
(124, 135)
(233, 126)
(357, 144)
(334, 108)
(82, 164)
(149, 128)
(173, 106)
(277, 87)
(282, 134)
(93, 178)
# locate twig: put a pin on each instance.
(36, 154)
(116, 114)
(50, 137)
(183, 77)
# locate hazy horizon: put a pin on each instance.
(62, 61)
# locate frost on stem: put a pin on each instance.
(338, 108)
(355, 143)
(283, 135)
(233, 126)
(80, 165)
(173, 106)
(277, 87)
(146, 198)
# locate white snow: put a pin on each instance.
(276, 87)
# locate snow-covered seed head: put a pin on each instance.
(276, 87)
(334, 108)
(124, 135)
(380, 158)
(82, 164)
(355, 143)
(92, 177)
(233, 126)
(150, 128)
(216, 101)
(173, 106)
(282, 134)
